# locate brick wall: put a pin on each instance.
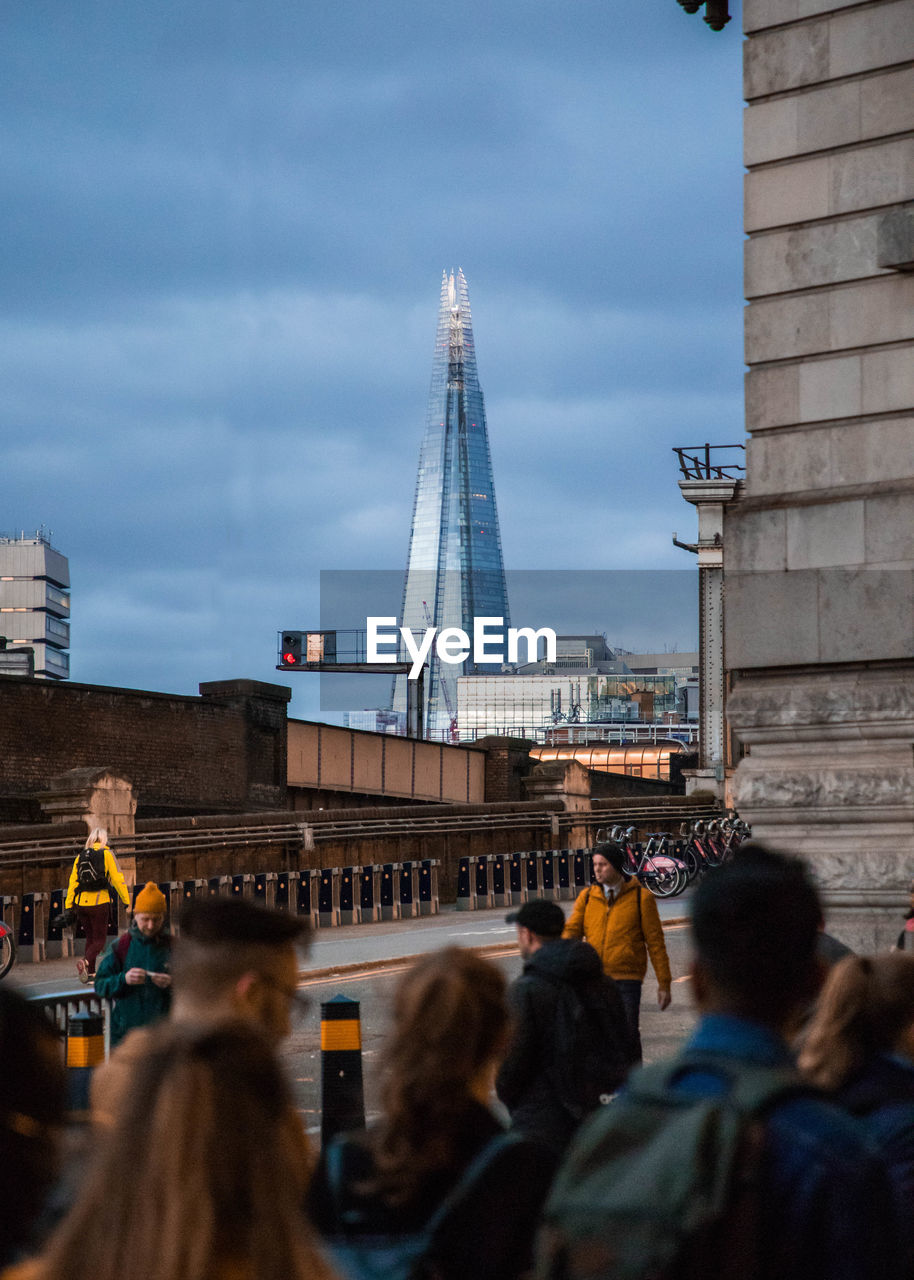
(222, 752)
(507, 764)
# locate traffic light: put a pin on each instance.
(290, 649)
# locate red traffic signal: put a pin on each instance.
(290, 649)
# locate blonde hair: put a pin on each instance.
(865, 1006)
(450, 1022)
(201, 1175)
(97, 833)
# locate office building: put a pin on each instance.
(35, 604)
(604, 693)
(526, 706)
(455, 570)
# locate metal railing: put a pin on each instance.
(46, 852)
(301, 835)
(621, 734)
(695, 461)
(60, 1006)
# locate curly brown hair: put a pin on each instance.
(450, 1025)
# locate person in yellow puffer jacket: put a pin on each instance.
(91, 903)
(619, 918)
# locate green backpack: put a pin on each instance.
(663, 1185)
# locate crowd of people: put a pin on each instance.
(778, 1144)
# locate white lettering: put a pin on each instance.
(481, 637)
(417, 654)
(376, 637)
(453, 645)
(532, 639)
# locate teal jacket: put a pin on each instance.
(134, 1006)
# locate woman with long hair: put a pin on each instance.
(449, 1032)
(859, 1045)
(95, 872)
(203, 1177)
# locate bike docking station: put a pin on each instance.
(508, 879)
(33, 927)
(664, 866)
(326, 897)
(27, 918)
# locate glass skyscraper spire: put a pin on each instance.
(455, 571)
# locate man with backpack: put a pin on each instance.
(722, 1162)
(570, 1046)
(134, 972)
(93, 874)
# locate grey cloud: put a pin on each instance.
(225, 228)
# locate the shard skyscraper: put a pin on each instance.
(455, 571)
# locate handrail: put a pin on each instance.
(698, 465)
(48, 853)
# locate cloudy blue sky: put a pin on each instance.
(224, 227)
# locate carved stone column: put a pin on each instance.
(830, 773)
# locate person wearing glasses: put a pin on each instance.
(231, 960)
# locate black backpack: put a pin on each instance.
(664, 1185)
(91, 876)
(591, 1045)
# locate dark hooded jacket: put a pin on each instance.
(568, 1016)
(881, 1094)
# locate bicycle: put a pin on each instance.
(710, 845)
(663, 875)
(7, 948)
(735, 831)
(693, 854)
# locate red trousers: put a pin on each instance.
(95, 920)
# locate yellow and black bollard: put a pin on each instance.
(85, 1051)
(342, 1095)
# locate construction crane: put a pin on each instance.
(452, 735)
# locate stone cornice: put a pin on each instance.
(875, 701)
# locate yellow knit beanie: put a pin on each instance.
(150, 901)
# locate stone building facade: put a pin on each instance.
(819, 551)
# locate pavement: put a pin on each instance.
(354, 948)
